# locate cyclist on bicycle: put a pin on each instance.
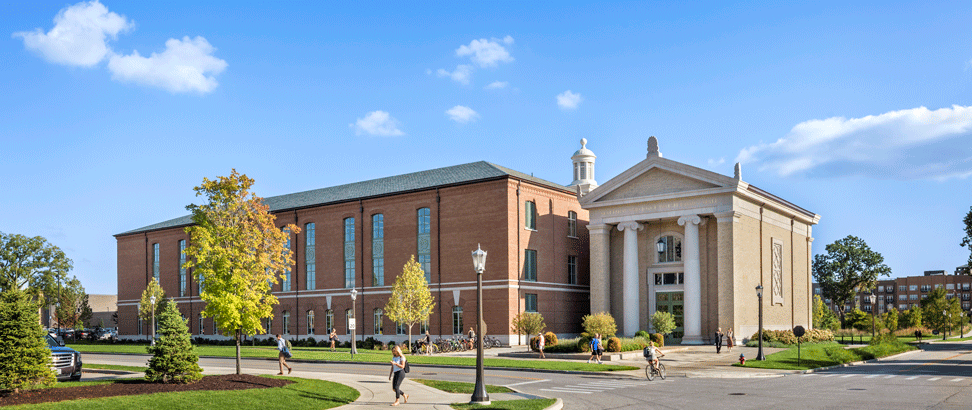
(652, 353)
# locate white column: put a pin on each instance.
(693, 280)
(600, 236)
(630, 288)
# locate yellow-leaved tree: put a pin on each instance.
(145, 308)
(411, 300)
(236, 251)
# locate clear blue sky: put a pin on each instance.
(111, 112)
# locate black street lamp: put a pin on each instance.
(944, 312)
(353, 325)
(873, 298)
(479, 395)
(759, 295)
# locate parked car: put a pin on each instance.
(66, 362)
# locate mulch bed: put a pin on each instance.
(133, 387)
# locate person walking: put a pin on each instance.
(596, 349)
(398, 372)
(718, 340)
(284, 354)
(428, 343)
(333, 337)
(541, 341)
(730, 342)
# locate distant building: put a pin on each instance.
(907, 293)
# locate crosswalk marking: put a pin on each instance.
(871, 376)
(809, 374)
(828, 375)
(846, 376)
(934, 379)
(569, 391)
(912, 378)
(956, 380)
(889, 376)
(595, 388)
(528, 382)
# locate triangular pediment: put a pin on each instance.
(658, 178)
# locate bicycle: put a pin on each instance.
(651, 371)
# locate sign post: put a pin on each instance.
(799, 331)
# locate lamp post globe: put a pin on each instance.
(759, 296)
(152, 301)
(353, 325)
(479, 395)
(873, 299)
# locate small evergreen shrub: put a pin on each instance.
(173, 357)
(550, 339)
(659, 339)
(641, 333)
(25, 361)
(613, 345)
(584, 342)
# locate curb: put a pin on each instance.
(559, 404)
(859, 362)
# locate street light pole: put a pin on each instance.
(152, 299)
(354, 342)
(479, 395)
(943, 324)
(873, 298)
(759, 295)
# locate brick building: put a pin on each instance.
(360, 235)
(907, 292)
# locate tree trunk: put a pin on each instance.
(410, 337)
(238, 371)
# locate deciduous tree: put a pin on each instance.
(410, 302)
(663, 322)
(600, 322)
(967, 240)
(31, 264)
(823, 317)
(939, 312)
(73, 311)
(145, 307)
(912, 318)
(236, 251)
(891, 320)
(528, 323)
(849, 266)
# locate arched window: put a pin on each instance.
(456, 320)
(530, 215)
(348, 252)
(310, 322)
(347, 321)
(424, 242)
(378, 320)
(669, 249)
(286, 322)
(572, 224)
(310, 257)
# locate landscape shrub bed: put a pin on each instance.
(786, 337)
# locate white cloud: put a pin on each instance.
(461, 75)
(716, 162)
(79, 36)
(495, 85)
(487, 53)
(378, 123)
(185, 65)
(568, 100)
(915, 143)
(462, 114)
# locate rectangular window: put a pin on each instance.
(531, 302)
(669, 278)
(880, 289)
(456, 320)
(269, 325)
(903, 306)
(378, 321)
(912, 288)
(965, 286)
(310, 257)
(424, 242)
(938, 285)
(347, 321)
(867, 308)
(818, 291)
(914, 297)
(215, 327)
(349, 252)
(530, 215)
(950, 286)
(329, 320)
(310, 322)
(139, 325)
(571, 270)
(424, 327)
(155, 261)
(530, 265)
(378, 250)
(401, 328)
(901, 296)
(901, 288)
(285, 283)
(182, 267)
(202, 326)
(572, 224)
(286, 323)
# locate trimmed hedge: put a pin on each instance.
(613, 345)
(786, 337)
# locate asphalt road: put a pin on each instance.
(938, 377)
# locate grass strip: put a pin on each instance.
(460, 387)
(814, 355)
(137, 369)
(302, 394)
(525, 404)
(363, 356)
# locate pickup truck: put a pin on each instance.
(66, 361)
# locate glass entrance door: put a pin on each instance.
(672, 302)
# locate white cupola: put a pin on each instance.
(583, 169)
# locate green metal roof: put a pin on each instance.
(416, 181)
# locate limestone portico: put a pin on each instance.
(669, 236)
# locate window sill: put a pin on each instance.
(572, 237)
(531, 230)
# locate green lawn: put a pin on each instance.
(460, 387)
(364, 356)
(137, 369)
(814, 355)
(527, 404)
(303, 394)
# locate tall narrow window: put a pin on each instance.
(530, 215)
(572, 224)
(456, 320)
(401, 328)
(215, 327)
(329, 320)
(670, 249)
(424, 327)
(310, 322)
(155, 261)
(139, 325)
(285, 283)
(571, 270)
(310, 258)
(530, 265)
(286, 322)
(377, 250)
(348, 252)
(425, 242)
(269, 324)
(347, 321)
(531, 302)
(182, 267)
(202, 325)
(378, 320)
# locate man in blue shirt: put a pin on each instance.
(596, 349)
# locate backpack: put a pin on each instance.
(289, 346)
